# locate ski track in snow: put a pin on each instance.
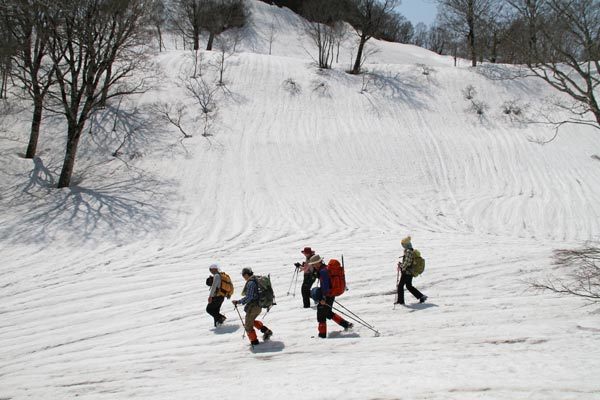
(118, 312)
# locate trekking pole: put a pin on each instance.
(294, 275)
(377, 333)
(241, 320)
(397, 283)
(353, 314)
(296, 283)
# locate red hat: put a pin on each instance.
(307, 250)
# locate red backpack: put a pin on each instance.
(337, 277)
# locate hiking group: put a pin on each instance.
(258, 292)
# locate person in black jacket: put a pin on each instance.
(310, 276)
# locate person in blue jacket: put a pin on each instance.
(325, 301)
(252, 308)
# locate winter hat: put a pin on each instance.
(406, 242)
(214, 266)
(315, 259)
(307, 251)
(247, 271)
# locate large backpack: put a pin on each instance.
(337, 277)
(418, 264)
(226, 288)
(266, 296)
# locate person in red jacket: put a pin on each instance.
(322, 295)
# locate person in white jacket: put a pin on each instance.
(215, 296)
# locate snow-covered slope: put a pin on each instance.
(102, 285)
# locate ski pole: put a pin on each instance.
(241, 320)
(357, 321)
(397, 283)
(348, 310)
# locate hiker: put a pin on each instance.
(252, 308)
(310, 276)
(324, 299)
(405, 268)
(219, 289)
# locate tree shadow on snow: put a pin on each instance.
(270, 346)
(128, 204)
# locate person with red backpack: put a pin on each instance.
(325, 296)
(405, 267)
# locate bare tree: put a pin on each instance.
(565, 51)
(530, 12)
(225, 45)
(368, 18)
(438, 39)
(27, 24)
(581, 275)
(7, 50)
(157, 16)
(466, 16)
(205, 96)
(320, 27)
(95, 48)
(420, 35)
(187, 19)
(220, 15)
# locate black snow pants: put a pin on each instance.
(406, 279)
(214, 309)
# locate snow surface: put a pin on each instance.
(102, 290)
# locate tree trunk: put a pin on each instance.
(36, 122)
(471, 34)
(196, 38)
(107, 85)
(3, 83)
(160, 39)
(69, 161)
(357, 62)
(211, 39)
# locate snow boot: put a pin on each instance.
(267, 334)
(422, 299)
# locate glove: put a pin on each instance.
(235, 302)
(298, 265)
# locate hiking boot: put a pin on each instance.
(254, 342)
(422, 299)
(268, 333)
(349, 327)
